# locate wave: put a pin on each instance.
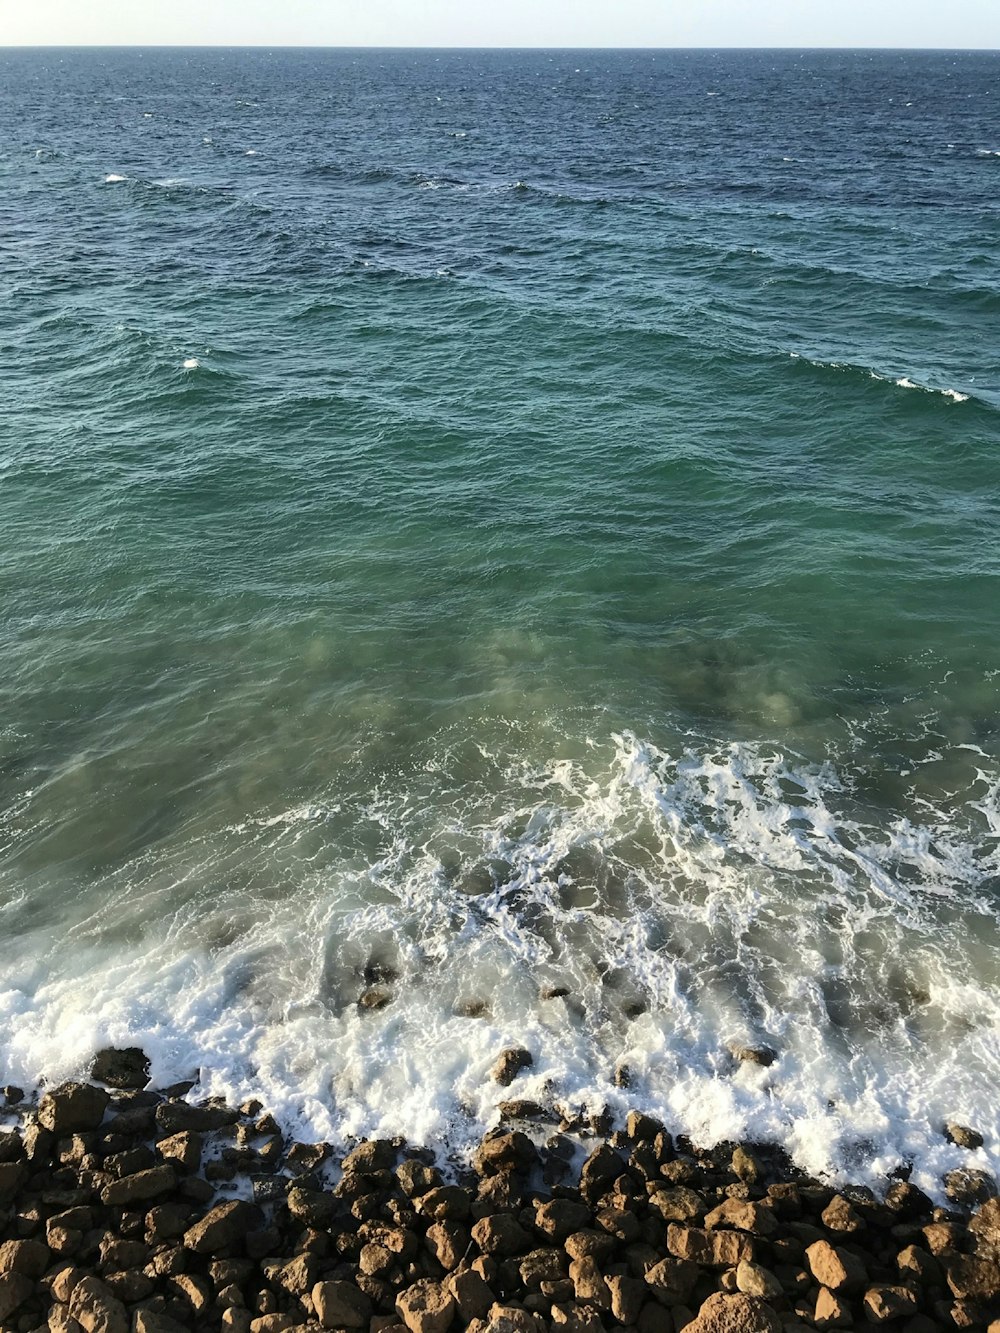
(627, 919)
(899, 382)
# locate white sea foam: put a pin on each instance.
(114, 179)
(192, 363)
(686, 900)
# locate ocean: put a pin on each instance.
(512, 538)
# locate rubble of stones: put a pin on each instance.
(110, 1222)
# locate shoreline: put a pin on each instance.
(128, 1210)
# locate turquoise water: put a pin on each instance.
(477, 521)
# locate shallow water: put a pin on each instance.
(498, 521)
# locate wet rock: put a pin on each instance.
(906, 1201)
(553, 992)
(224, 1226)
(601, 1169)
(836, 1268)
(139, 1188)
(969, 1186)
(126, 1068)
(883, 1303)
(174, 1117)
(642, 1128)
(745, 1166)
(524, 1109)
(723, 1313)
(341, 1305)
(509, 1064)
(963, 1136)
(426, 1307)
(505, 1152)
(755, 1055)
(72, 1108)
(374, 998)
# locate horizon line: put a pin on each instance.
(367, 46)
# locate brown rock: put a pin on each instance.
(722, 1313)
(883, 1303)
(182, 1150)
(711, 1249)
(985, 1224)
(968, 1186)
(448, 1242)
(72, 1108)
(944, 1237)
(509, 1064)
(672, 1280)
(224, 1226)
(589, 1245)
(569, 1317)
(173, 1117)
(313, 1208)
(973, 1278)
(588, 1284)
(832, 1311)
(416, 1179)
(836, 1268)
(126, 1068)
(654, 1318)
(500, 1235)
(426, 1307)
(753, 1280)
(28, 1257)
(620, 1223)
(628, 1296)
(754, 1055)
(963, 1136)
(272, 1323)
(141, 1187)
(446, 1203)
(542, 1266)
(756, 1218)
(61, 1321)
(341, 1305)
(913, 1262)
(95, 1309)
(505, 1152)
(15, 1288)
(839, 1215)
(559, 1218)
(679, 1204)
(745, 1166)
(472, 1294)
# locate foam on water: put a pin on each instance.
(686, 901)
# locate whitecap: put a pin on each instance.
(192, 363)
(114, 179)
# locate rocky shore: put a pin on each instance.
(124, 1210)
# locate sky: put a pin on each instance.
(546, 23)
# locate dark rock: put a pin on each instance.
(224, 1226)
(446, 1203)
(127, 1068)
(969, 1186)
(73, 1107)
(500, 1235)
(883, 1303)
(505, 1152)
(341, 1305)
(559, 1218)
(756, 1055)
(175, 1117)
(509, 1064)
(139, 1188)
(906, 1201)
(375, 998)
(15, 1289)
(963, 1136)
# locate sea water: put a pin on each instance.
(474, 525)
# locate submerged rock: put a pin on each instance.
(755, 1055)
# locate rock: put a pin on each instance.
(832, 1311)
(139, 1188)
(906, 1201)
(313, 1208)
(224, 1226)
(472, 1294)
(505, 1152)
(628, 1296)
(985, 1224)
(672, 1280)
(175, 1117)
(620, 1223)
(679, 1204)
(589, 1245)
(969, 1185)
(426, 1307)
(711, 1249)
(29, 1257)
(73, 1108)
(569, 1317)
(374, 998)
(839, 1216)
(447, 1203)
(754, 1055)
(915, 1263)
(15, 1288)
(500, 1234)
(182, 1150)
(722, 1313)
(944, 1237)
(836, 1268)
(883, 1303)
(753, 1280)
(601, 1169)
(974, 1278)
(416, 1179)
(61, 1321)
(756, 1218)
(559, 1218)
(150, 1321)
(509, 1064)
(341, 1305)
(745, 1166)
(127, 1068)
(642, 1128)
(963, 1136)
(95, 1309)
(588, 1284)
(448, 1242)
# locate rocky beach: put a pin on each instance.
(125, 1209)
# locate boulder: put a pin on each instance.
(969, 1186)
(559, 1218)
(446, 1203)
(225, 1226)
(883, 1303)
(426, 1307)
(963, 1136)
(754, 1055)
(753, 1280)
(756, 1218)
(672, 1280)
(505, 1152)
(472, 1294)
(736, 1313)
(501, 1234)
(341, 1305)
(832, 1311)
(15, 1288)
(140, 1187)
(95, 1309)
(29, 1257)
(973, 1278)
(839, 1215)
(710, 1249)
(628, 1296)
(125, 1068)
(175, 1117)
(313, 1208)
(182, 1150)
(509, 1064)
(73, 1108)
(836, 1268)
